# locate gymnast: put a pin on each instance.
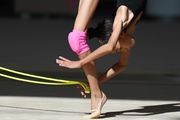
(114, 36)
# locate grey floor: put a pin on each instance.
(49, 108)
(128, 99)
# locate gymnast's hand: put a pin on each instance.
(64, 62)
(82, 91)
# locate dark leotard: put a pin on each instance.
(136, 6)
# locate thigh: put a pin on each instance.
(85, 12)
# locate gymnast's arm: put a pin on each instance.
(124, 56)
(116, 68)
(122, 19)
(103, 50)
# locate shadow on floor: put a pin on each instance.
(146, 110)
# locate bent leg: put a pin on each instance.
(85, 12)
(77, 42)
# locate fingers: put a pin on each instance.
(79, 86)
(82, 91)
(60, 62)
(64, 59)
(83, 94)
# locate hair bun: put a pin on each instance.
(92, 32)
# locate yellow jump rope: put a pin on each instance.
(53, 80)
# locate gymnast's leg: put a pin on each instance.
(77, 41)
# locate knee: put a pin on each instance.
(77, 41)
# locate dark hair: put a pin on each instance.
(102, 31)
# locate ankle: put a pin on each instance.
(96, 95)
